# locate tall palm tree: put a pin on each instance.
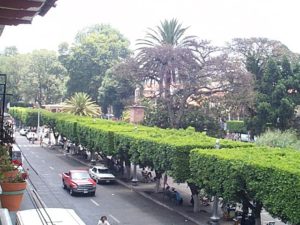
(168, 33)
(161, 51)
(81, 104)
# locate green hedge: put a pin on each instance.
(236, 126)
(165, 149)
(269, 175)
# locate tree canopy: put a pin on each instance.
(95, 50)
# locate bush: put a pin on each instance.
(268, 175)
(236, 126)
(276, 138)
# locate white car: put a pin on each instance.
(101, 174)
(32, 135)
(23, 131)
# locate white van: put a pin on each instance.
(48, 216)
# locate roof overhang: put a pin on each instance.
(15, 12)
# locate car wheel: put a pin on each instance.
(93, 193)
(71, 191)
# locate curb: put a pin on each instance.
(145, 195)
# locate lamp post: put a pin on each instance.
(38, 119)
(134, 176)
(214, 219)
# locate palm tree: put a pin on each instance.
(168, 33)
(160, 53)
(81, 104)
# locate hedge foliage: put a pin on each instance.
(236, 126)
(164, 149)
(269, 175)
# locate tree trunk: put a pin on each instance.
(196, 207)
(257, 211)
(127, 169)
(195, 191)
(157, 185)
(158, 175)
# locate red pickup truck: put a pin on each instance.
(79, 181)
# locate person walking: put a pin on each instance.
(41, 141)
(103, 220)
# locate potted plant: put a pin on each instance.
(12, 191)
(7, 168)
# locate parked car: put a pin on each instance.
(79, 181)
(39, 216)
(23, 131)
(31, 135)
(101, 174)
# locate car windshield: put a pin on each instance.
(103, 171)
(80, 176)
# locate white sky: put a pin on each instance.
(215, 20)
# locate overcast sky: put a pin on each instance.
(215, 20)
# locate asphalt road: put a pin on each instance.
(121, 205)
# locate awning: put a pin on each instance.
(15, 12)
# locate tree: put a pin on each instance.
(278, 93)
(115, 91)
(81, 104)
(168, 33)
(16, 66)
(46, 78)
(95, 50)
(264, 59)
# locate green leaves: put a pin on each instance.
(82, 105)
(267, 175)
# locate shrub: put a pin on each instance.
(268, 175)
(277, 138)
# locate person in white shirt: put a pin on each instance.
(103, 220)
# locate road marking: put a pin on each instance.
(94, 202)
(114, 218)
(51, 167)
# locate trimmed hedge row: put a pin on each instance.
(236, 126)
(165, 149)
(269, 175)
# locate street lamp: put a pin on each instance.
(38, 119)
(214, 219)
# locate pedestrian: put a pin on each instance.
(41, 141)
(103, 220)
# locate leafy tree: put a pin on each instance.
(95, 50)
(45, 81)
(115, 91)
(276, 83)
(81, 104)
(277, 97)
(16, 66)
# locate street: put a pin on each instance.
(118, 203)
